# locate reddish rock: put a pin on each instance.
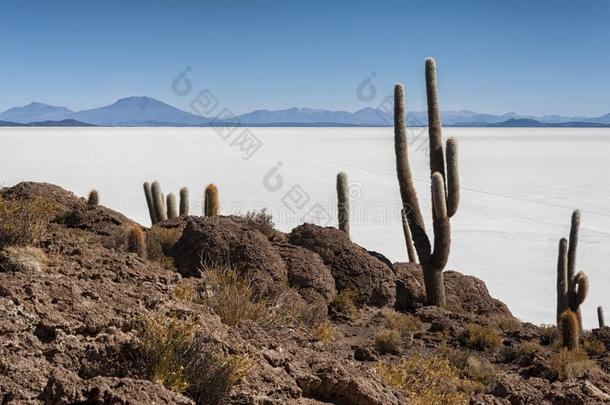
(351, 266)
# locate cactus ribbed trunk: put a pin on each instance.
(172, 209)
(94, 198)
(569, 329)
(184, 202)
(149, 203)
(343, 203)
(136, 243)
(562, 278)
(444, 188)
(408, 239)
(211, 207)
(158, 203)
(600, 317)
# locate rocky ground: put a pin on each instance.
(319, 320)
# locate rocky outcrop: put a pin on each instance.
(351, 266)
(464, 293)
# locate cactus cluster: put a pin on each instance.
(343, 202)
(445, 190)
(161, 208)
(572, 287)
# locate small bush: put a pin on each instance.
(159, 242)
(232, 298)
(23, 222)
(507, 323)
(175, 355)
(388, 341)
(479, 337)
(261, 220)
(549, 335)
(478, 373)
(594, 347)
(186, 292)
(324, 332)
(26, 259)
(425, 380)
(570, 364)
(405, 324)
(344, 303)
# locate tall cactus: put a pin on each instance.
(136, 242)
(172, 209)
(184, 202)
(445, 189)
(343, 202)
(158, 204)
(572, 288)
(211, 205)
(149, 203)
(600, 317)
(94, 198)
(569, 329)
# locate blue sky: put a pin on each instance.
(534, 57)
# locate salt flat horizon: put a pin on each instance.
(519, 187)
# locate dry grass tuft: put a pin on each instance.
(185, 291)
(232, 297)
(480, 337)
(570, 364)
(549, 335)
(159, 242)
(324, 332)
(425, 380)
(405, 324)
(176, 356)
(507, 323)
(344, 303)
(388, 341)
(261, 220)
(26, 259)
(23, 222)
(478, 373)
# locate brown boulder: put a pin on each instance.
(308, 274)
(211, 241)
(351, 266)
(464, 293)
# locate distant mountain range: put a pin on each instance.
(149, 112)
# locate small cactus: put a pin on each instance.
(136, 243)
(184, 202)
(569, 329)
(343, 202)
(94, 198)
(172, 209)
(600, 317)
(149, 203)
(445, 190)
(211, 208)
(158, 203)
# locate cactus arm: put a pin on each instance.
(159, 206)
(408, 194)
(172, 210)
(437, 159)
(343, 202)
(562, 278)
(442, 227)
(408, 239)
(149, 203)
(453, 177)
(184, 202)
(574, 227)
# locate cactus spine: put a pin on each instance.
(343, 202)
(136, 243)
(211, 208)
(172, 209)
(408, 238)
(94, 198)
(600, 317)
(570, 330)
(572, 288)
(445, 189)
(159, 206)
(184, 202)
(149, 203)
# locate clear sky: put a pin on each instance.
(532, 57)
